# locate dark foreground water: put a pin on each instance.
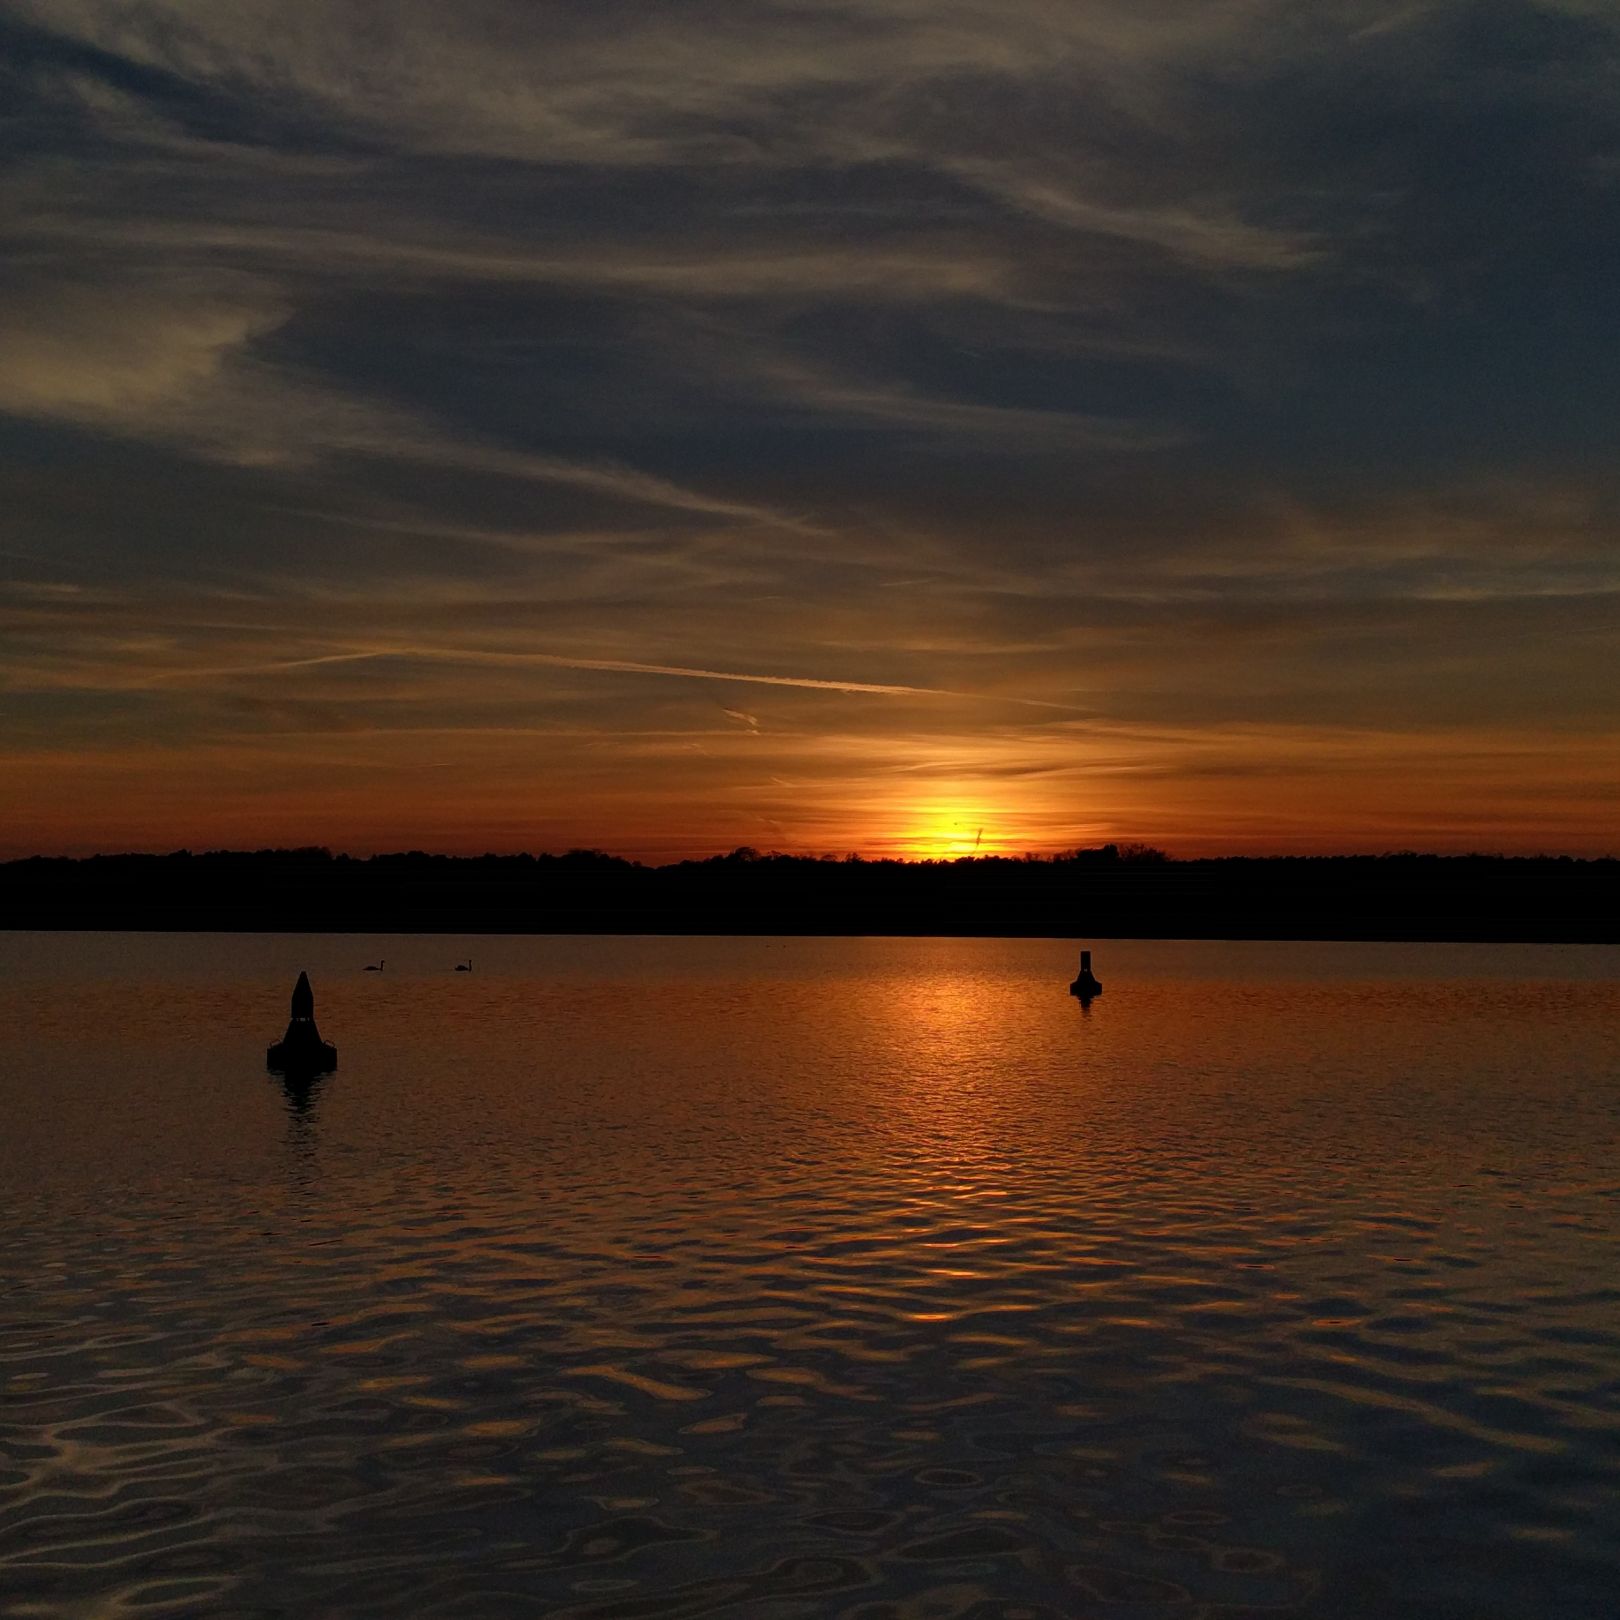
(876, 1278)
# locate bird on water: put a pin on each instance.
(464, 967)
(374, 967)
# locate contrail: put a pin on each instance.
(688, 672)
(615, 666)
(627, 666)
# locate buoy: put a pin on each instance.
(301, 1050)
(1086, 984)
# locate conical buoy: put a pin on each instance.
(1086, 984)
(301, 1050)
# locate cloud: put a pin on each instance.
(860, 405)
(176, 363)
(1195, 234)
(506, 371)
(627, 84)
(861, 85)
(120, 354)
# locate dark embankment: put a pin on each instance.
(1092, 893)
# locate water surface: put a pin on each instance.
(793, 1278)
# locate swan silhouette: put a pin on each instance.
(464, 967)
(374, 967)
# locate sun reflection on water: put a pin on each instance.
(861, 1277)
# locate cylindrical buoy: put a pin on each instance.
(1086, 983)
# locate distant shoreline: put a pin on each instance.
(1091, 894)
(473, 932)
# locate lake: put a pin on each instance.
(789, 1278)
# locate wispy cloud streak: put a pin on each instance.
(1055, 372)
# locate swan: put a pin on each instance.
(374, 967)
(464, 967)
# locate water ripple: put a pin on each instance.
(881, 1287)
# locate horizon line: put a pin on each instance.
(1126, 851)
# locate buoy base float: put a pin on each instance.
(301, 1053)
(301, 1050)
(1086, 984)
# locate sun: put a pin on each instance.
(946, 832)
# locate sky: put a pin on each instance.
(895, 426)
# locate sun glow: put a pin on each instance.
(945, 832)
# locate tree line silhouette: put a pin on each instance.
(1114, 891)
